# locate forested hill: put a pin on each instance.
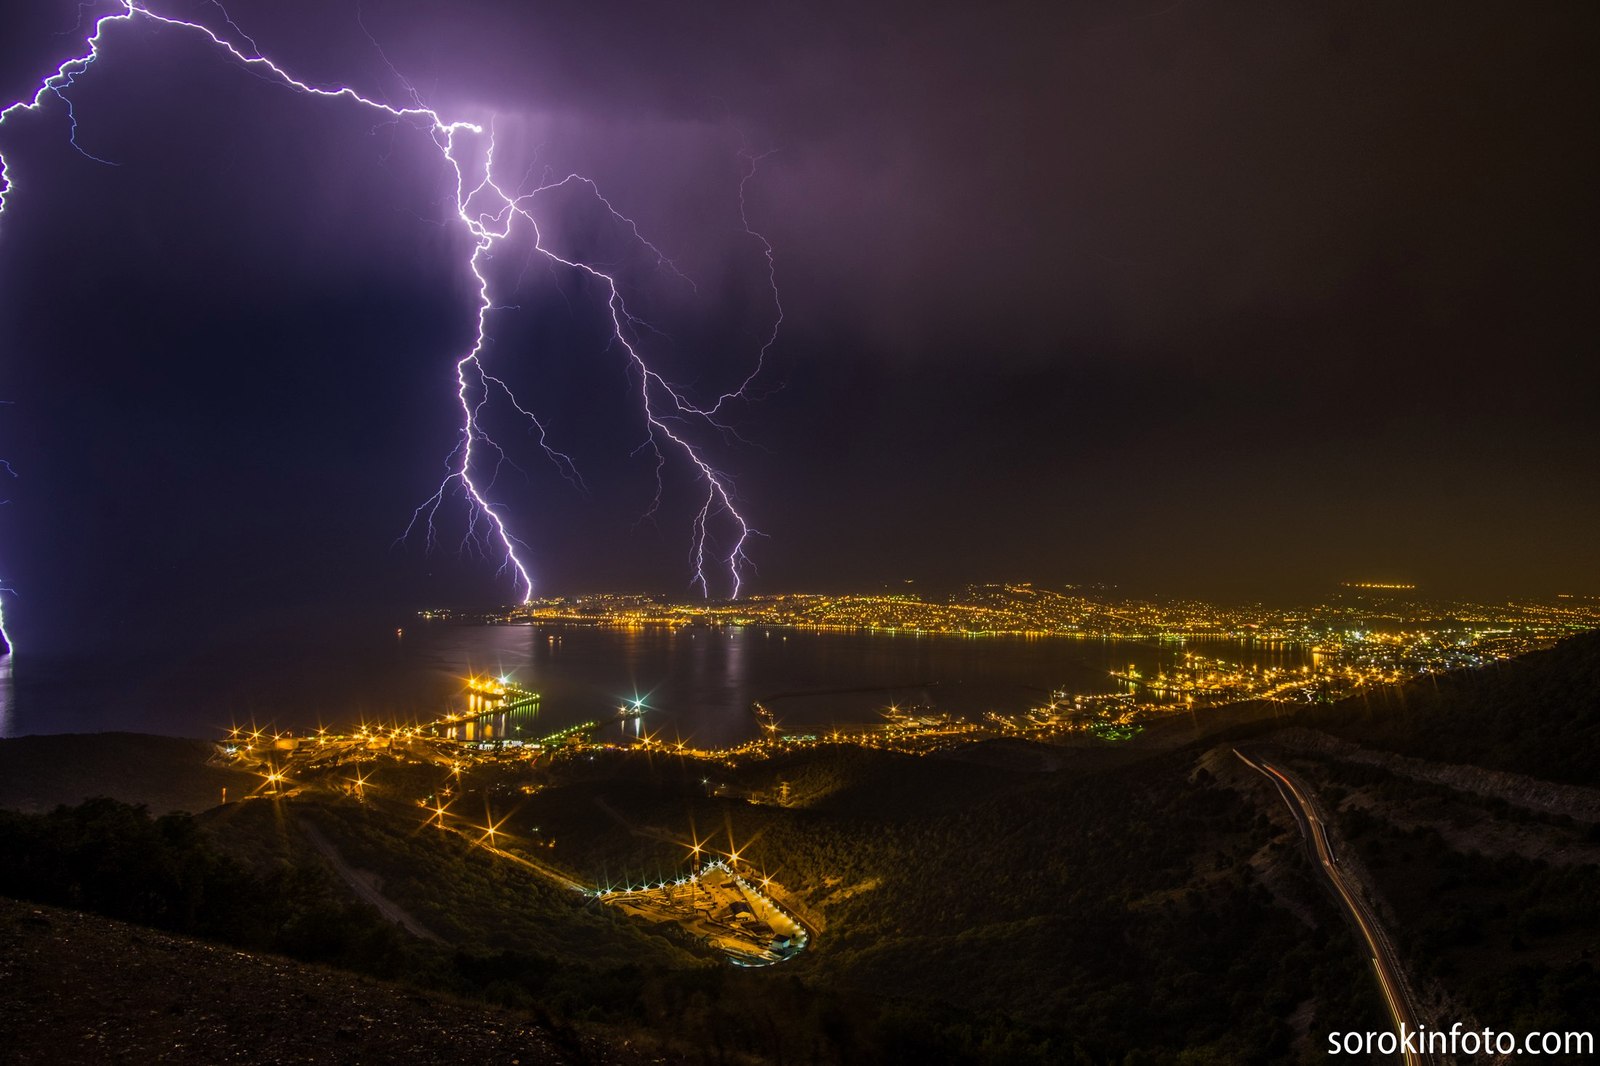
(163, 773)
(1537, 715)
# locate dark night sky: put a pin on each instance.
(1223, 298)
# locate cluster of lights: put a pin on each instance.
(1344, 659)
(1028, 611)
(727, 864)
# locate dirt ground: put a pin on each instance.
(75, 988)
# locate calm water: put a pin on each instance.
(698, 683)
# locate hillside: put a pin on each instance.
(85, 989)
(164, 773)
(1007, 905)
(1537, 715)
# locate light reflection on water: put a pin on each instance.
(6, 696)
(697, 683)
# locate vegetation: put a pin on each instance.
(994, 933)
(1537, 715)
(1513, 940)
(114, 859)
(1136, 910)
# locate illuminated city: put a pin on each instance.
(1353, 641)
(1352, 647)
(625, 534)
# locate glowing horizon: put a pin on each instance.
(491, 213)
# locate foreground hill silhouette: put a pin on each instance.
(1538, 715)
(1146, 902)
(86, 989)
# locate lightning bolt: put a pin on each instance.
(5, 590)
(491, 214)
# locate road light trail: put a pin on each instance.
(1385, 963)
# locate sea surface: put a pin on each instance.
(697, 683)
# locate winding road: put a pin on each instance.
(1385, 963)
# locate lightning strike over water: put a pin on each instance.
(492, 213)
(5, 635)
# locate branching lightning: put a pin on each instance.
(492, 213)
